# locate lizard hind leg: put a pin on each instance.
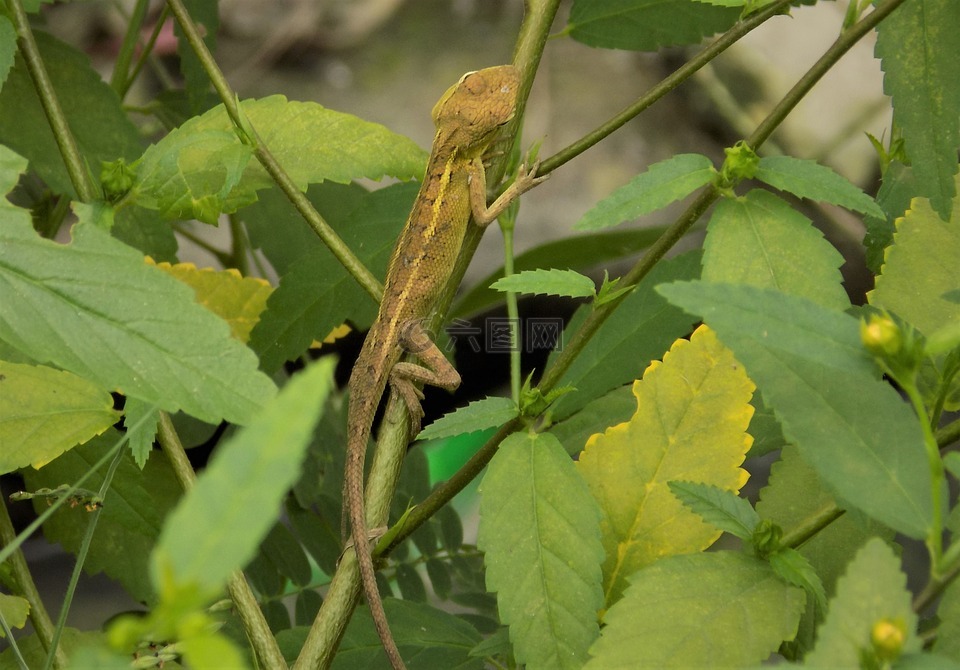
(434, 369)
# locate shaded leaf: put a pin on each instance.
(662, 183)
(710, 610)
(480, 414)
(102, 129)
(13, 611)
(920, 269)
(538, 529)
(917, 45)
(811, 368)
(792, 566)
(131, 517)
(124, 325)
(615, 407)
(140, 421)
(565, 283)
(698, 390)
(44, 412)
(640, 330)
(761, 241)
(218, 525)
(646, 25)
(897, 190)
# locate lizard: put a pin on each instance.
(467, 119)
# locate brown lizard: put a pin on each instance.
(467, 118)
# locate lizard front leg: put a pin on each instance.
(434, 369)
(483, 214)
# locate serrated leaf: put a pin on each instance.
(480, 414)
(13, 611)
(564, 283)
(578, 252)
(236, 299)
(698, 390)
(123, 325)
(810, 367)
(761, 241)
(312, 143)
(920, 269)
(872, 590)
(427, 638)
(538, 529)
(662, 183)
(897, 190)
(809, 179)
(722, 509)
(218, 525)
(610, 409)
(44, 412)
(646, 25)
(640, 330)
(948, 612)
(711, 610)
(102, 129)
(12, 165)
(8, 47)
(140, 420)
(317, 293)
(792, 566)
(130, 520)
(917, 45)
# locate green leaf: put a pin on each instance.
(796, 569)
(218, 525)
(808, 179)
(8, 47)
(123, 325)
(480, 414)
(312, 143)
(102, 129)
(140, 435)
(317, 293)
(872, 591)
(609, 409)
(646, 25)
(427, 638)
(917, 46)
(639, 330)
(664, 182)
(710, 610)
(722, 509)
(44, 412)
(539, 529)
(578, 252)
(13, 611)
(920, 269)
(410, 584)
(131, 517)
(761, 241)
(73, 642)
(810, 367)
(948, 611)
(564, 283)
(197, 82)
(896, 191)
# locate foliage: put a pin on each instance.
(609, 473)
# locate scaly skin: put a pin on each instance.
(467, 119)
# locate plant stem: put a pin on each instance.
(82, 557)
(81, 179)
(306, 209)
(665, 86)
(513, 316)
(811, 525)
(258, 630)
(120, 79)
(28, 590)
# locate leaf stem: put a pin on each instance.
(28, 590)
(80, 177)
(303, 205)
(811, 525)
(255, 624)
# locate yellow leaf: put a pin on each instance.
(236, 299)
(693, 410)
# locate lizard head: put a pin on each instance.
(473, 109)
